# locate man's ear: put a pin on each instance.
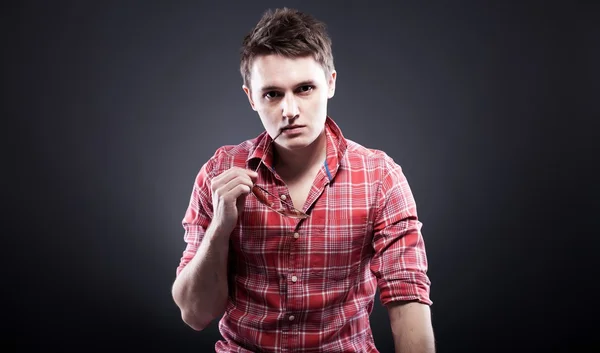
(249, 94)
(331, 84)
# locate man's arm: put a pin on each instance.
(400, 264)
(200, 290)
(411, 327)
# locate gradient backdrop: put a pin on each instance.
(115, 105)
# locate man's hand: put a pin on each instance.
(229, 191)
(411, 327)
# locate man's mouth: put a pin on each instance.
(290, 127)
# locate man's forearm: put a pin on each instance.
(201, 288)
(411, 328)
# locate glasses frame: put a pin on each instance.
(259, 192)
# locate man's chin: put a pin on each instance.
(296, 143)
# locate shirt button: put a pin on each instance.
(292, 317)
(296, 235)
(283, 197)
(294, 278)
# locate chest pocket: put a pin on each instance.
(338, 246)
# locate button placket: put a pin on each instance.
(294, 301)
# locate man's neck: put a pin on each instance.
(292, 164)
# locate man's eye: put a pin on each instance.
(271, 95)
(307, 88)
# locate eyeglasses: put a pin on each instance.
(265, 197)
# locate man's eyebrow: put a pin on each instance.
(275, 88)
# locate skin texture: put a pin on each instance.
(411, 327)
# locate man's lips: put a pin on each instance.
(292, 127)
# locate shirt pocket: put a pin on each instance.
(338, 246)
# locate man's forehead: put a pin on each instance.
(278, 71)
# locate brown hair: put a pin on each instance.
(290, 33)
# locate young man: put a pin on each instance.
(290, 233)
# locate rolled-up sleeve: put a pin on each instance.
(197, 215)
(400, 261)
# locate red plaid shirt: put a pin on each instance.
(309, 285)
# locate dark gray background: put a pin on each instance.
(110, 109)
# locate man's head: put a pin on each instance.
(288, 73)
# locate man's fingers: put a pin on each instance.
(253, 176)
(235, 188)
(240, 190)
(231, 174)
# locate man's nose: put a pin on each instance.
(289, 107)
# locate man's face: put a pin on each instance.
(290, 92)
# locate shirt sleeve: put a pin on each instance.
(198, 214)
(400, 261)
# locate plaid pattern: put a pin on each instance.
(309, 285)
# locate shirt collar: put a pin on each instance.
(336, 147)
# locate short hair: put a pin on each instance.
(289, 33)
